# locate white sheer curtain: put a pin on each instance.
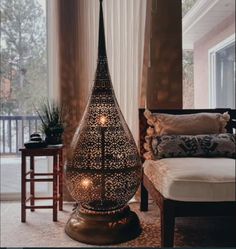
(124, 27)
(53, 49)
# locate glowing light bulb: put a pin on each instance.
(103, 120)
(85, 183)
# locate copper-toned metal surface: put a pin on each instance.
(103, 168)
(96, 228)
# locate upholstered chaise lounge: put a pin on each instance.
(187, 186)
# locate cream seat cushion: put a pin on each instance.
(193, 179)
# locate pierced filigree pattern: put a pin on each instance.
(104, 170)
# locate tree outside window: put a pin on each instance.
(23, 56)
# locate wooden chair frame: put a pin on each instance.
(169, 209)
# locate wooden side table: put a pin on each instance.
(30, 176)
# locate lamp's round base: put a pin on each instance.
(96, 228)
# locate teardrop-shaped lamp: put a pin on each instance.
(103, 171)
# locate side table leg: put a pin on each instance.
(23, 188)
(61, 180)
(55, 194)
(32, 184)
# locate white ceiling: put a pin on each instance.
(203, 17)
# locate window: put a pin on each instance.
(208, 56)
(24, 74)
(222, 74)
(188, 63)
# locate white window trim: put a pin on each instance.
(211, 68)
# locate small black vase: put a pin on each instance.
(53, 139)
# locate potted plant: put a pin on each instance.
(52, 123)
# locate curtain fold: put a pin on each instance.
(53, 50)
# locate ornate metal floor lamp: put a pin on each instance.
(104, 169)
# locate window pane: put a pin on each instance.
(225, 77)
(188, 66)
(23, 55)
(23, 82)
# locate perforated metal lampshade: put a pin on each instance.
(104, 170)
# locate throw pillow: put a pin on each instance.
(212, 145)
(187, 124)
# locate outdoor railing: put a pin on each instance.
(15, 130)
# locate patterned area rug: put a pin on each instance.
(40, 231)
